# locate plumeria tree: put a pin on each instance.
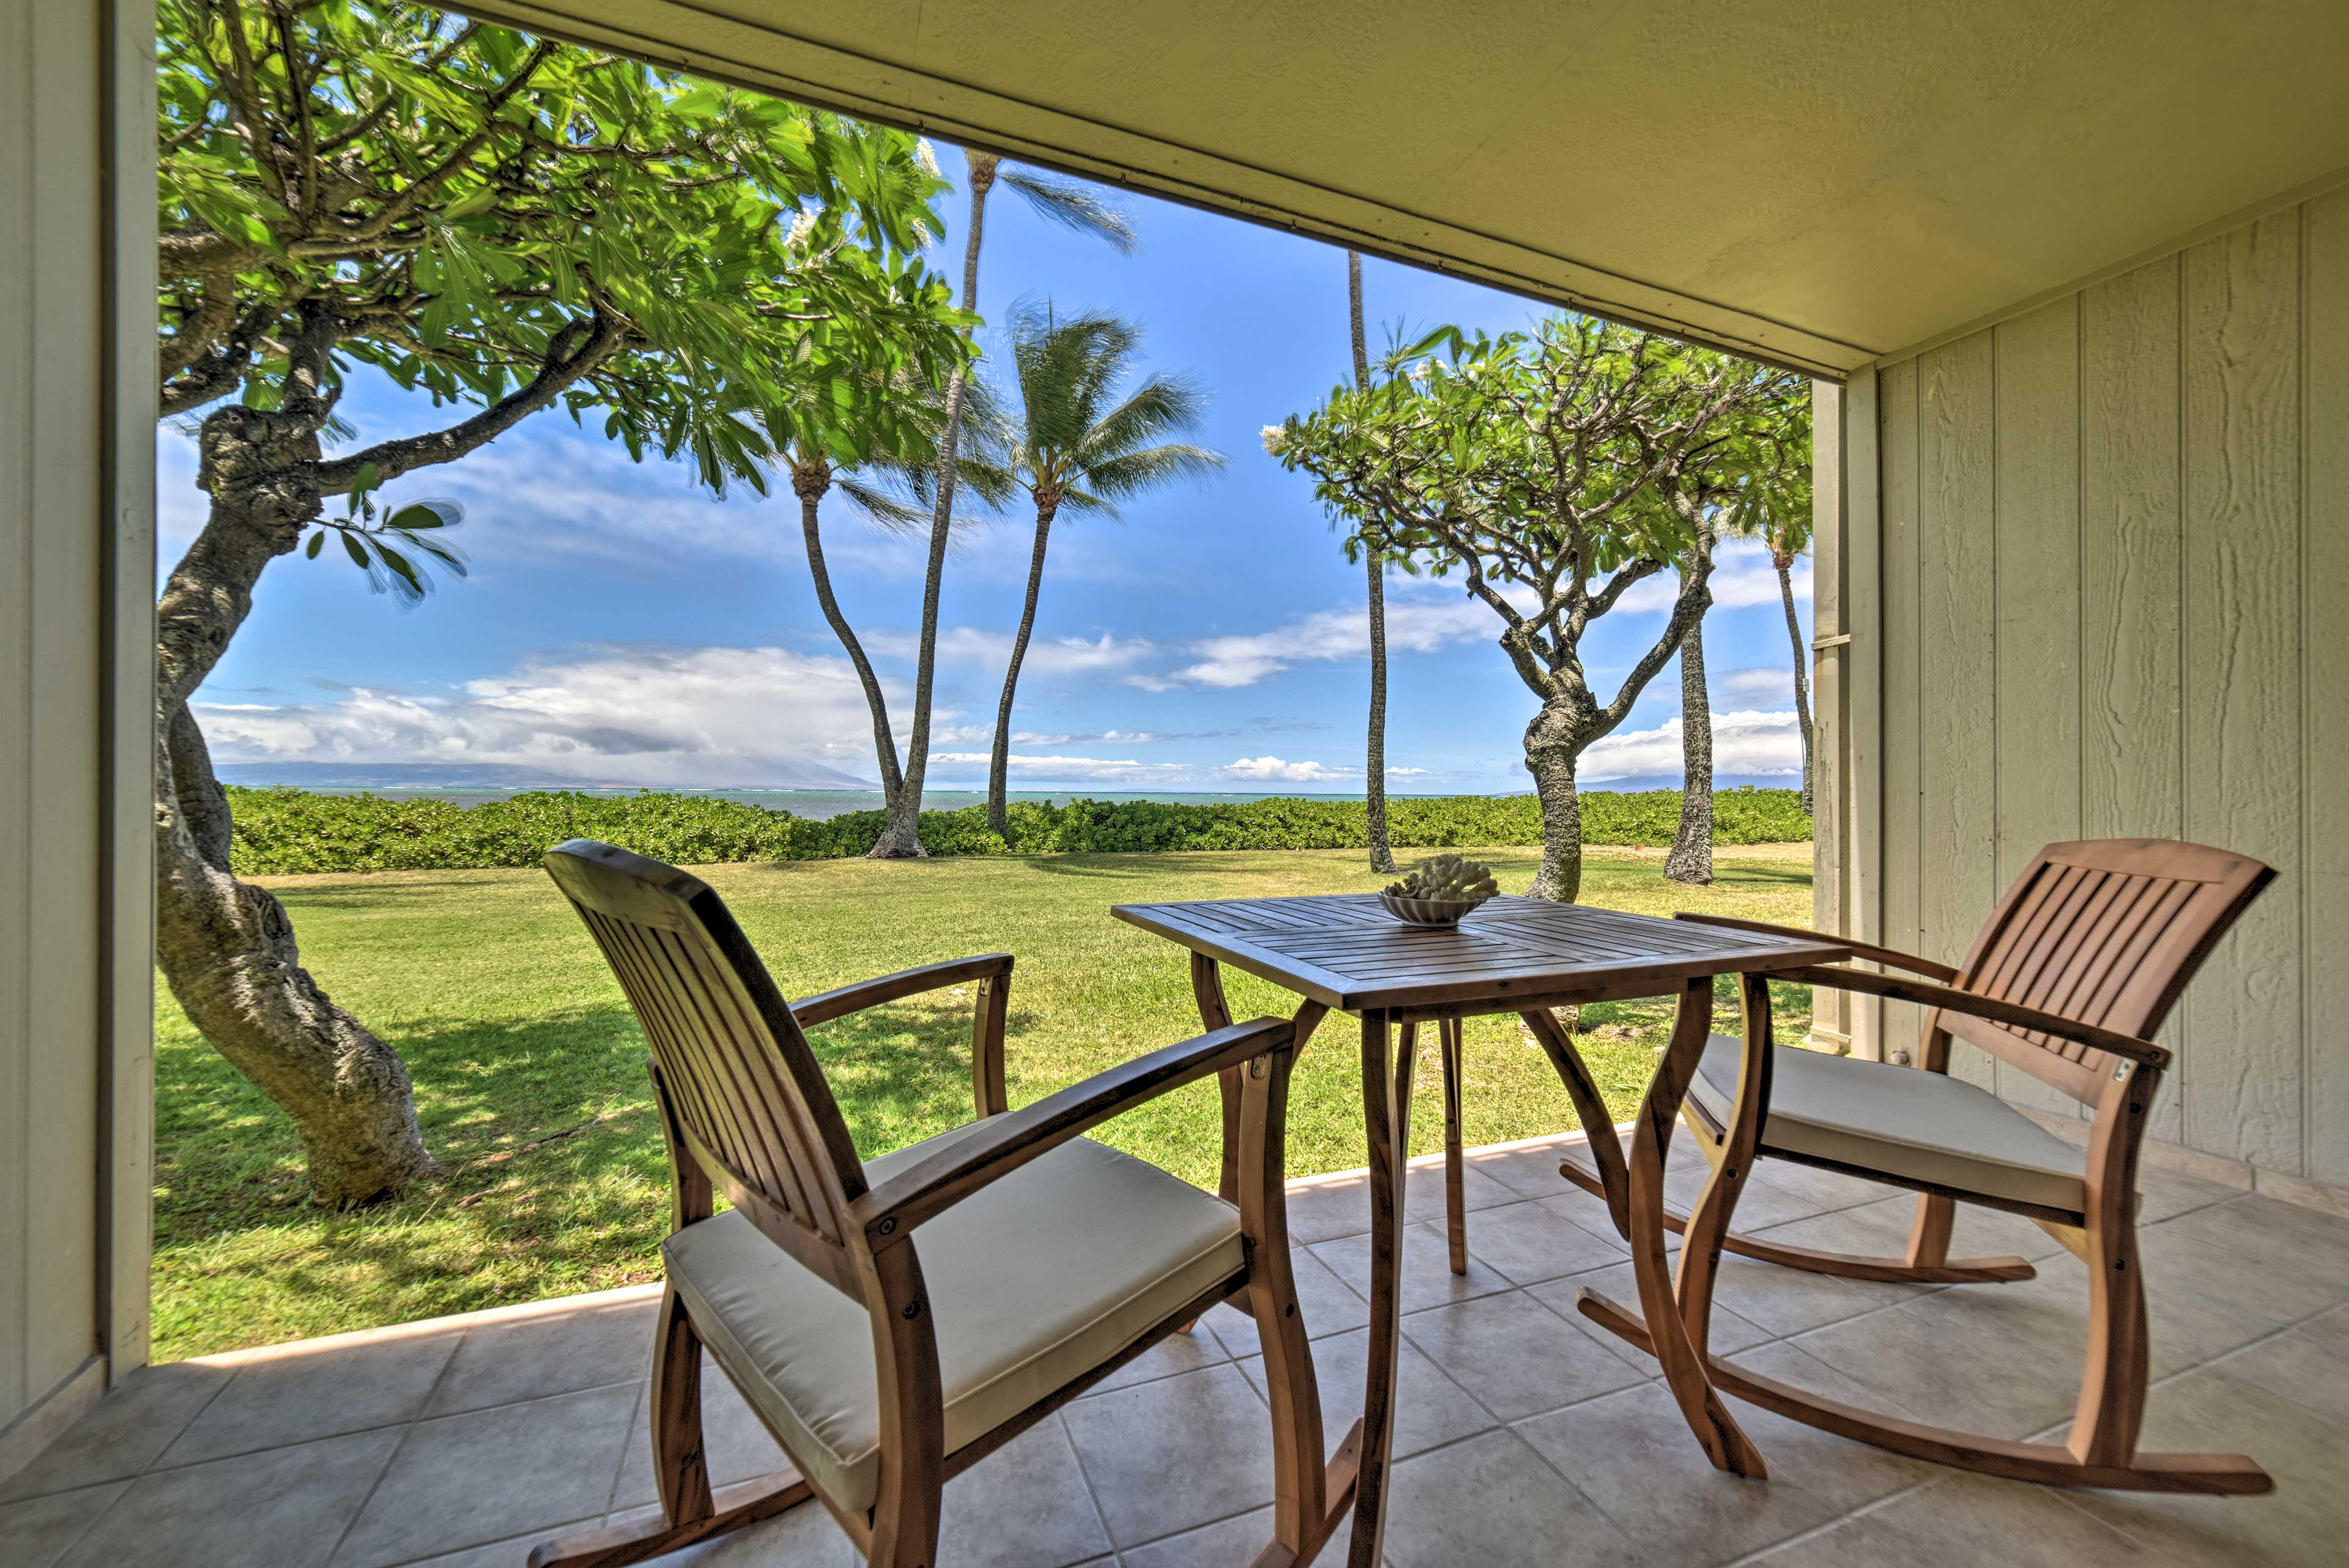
(503, 225)
(1552, 472)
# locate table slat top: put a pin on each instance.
(1346, 952)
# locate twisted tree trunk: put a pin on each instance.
(901, 837)
(1691, 859)
(1785, 561)
(1554, 741)
(999, 764)
(226, 947)
(810, 481)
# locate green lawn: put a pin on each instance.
(530, 1073)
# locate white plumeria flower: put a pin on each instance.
(926, 156)
(802, 225)
(1274, 438)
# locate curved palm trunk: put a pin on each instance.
(1784, 560)
(999, 764)
(1375, 764)
(226, 947)
(902, 837)
(810, 484)
(1692, 857)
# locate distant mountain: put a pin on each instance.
(492, 775)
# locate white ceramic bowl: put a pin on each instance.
(1427, 912)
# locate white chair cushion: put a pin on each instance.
(1925, 1126)
(1034, 1280)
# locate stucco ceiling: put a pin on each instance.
(1819, 182)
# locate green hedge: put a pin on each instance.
(291, 830)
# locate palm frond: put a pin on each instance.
(1131, 473)
(1075, 205)
(1161, 406)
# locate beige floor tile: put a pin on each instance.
(1165, 1456)
(2203, 1302)
(1960, 1521)
(1491, 1502)
(1324, 1211)
(1425, 1278)
(554, 1353)
(285, 1506)
(1430, 1408)
(462, 1480)
(2220, 1531)
(1024, 1506)
(124, 1433)
(1759, 1203)
(2296, 1247)
(1228, 1541)
(1631, 1453)
(1729, 1332)
(2308, 1364)
(1170, 1357)
(807, 1537)
(2213, 1410)
(1530, 1170)
(1828, 1190)
(1326, 1303)
(2166, 1194)
(38, 1531)
(1533, 1240)
(1848, 1475)
(1979, 1358)
(1423, 1202)
(1790, 1301)
(1514, 1356)
(735, 1444)
(512, 1550)
(303, 1392)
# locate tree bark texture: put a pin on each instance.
(809, 484)
(1691, 859)
(999, 764)
(1383, 858)
(1784, 562)
(1552, 747)
(227, 947)
(901, 837)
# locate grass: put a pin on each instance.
(530, 1080)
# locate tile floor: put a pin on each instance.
(1525, 1435)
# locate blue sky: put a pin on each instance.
(621, 627)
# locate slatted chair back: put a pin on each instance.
(2106, 932)
(732, 1068)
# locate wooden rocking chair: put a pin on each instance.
(884, 1366)
(2076, 968)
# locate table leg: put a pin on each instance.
(1216, 1012)
(1682, 1360)
(1610, 1177)
(1456, 1198)
(1386, 1108)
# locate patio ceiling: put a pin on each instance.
(1817, 184)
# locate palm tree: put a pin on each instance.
(1375, 766)
(1691, 859)
(1789, 537)
(1072, 440)
(1073, 206)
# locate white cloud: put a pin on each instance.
(713, 716)
(1274, 768)
(1417, 622)
(1743, 742)
(1742, 577)
(1765, 683)
(970, 646)
(1404, 772)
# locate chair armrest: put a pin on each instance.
(2013, 1014)
(1869, 950)
(826, 1005)
(890, 1212)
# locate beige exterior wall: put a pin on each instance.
(75, 582)
(2103, 549)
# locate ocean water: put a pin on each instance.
(816, 805)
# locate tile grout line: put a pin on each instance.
(343, 1535)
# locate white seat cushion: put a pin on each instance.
(1034, 1280)
(1925, 1126)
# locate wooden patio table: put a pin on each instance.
(1346, 952)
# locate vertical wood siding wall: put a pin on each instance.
(76, 580)
(2112, 559)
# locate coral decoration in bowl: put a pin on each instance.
(1438, 890)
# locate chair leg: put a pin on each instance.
(1455, 1201)
(1928, 1238)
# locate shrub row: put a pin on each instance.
(291, 830)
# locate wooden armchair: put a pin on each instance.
(884, 1364)
(2075, 969)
